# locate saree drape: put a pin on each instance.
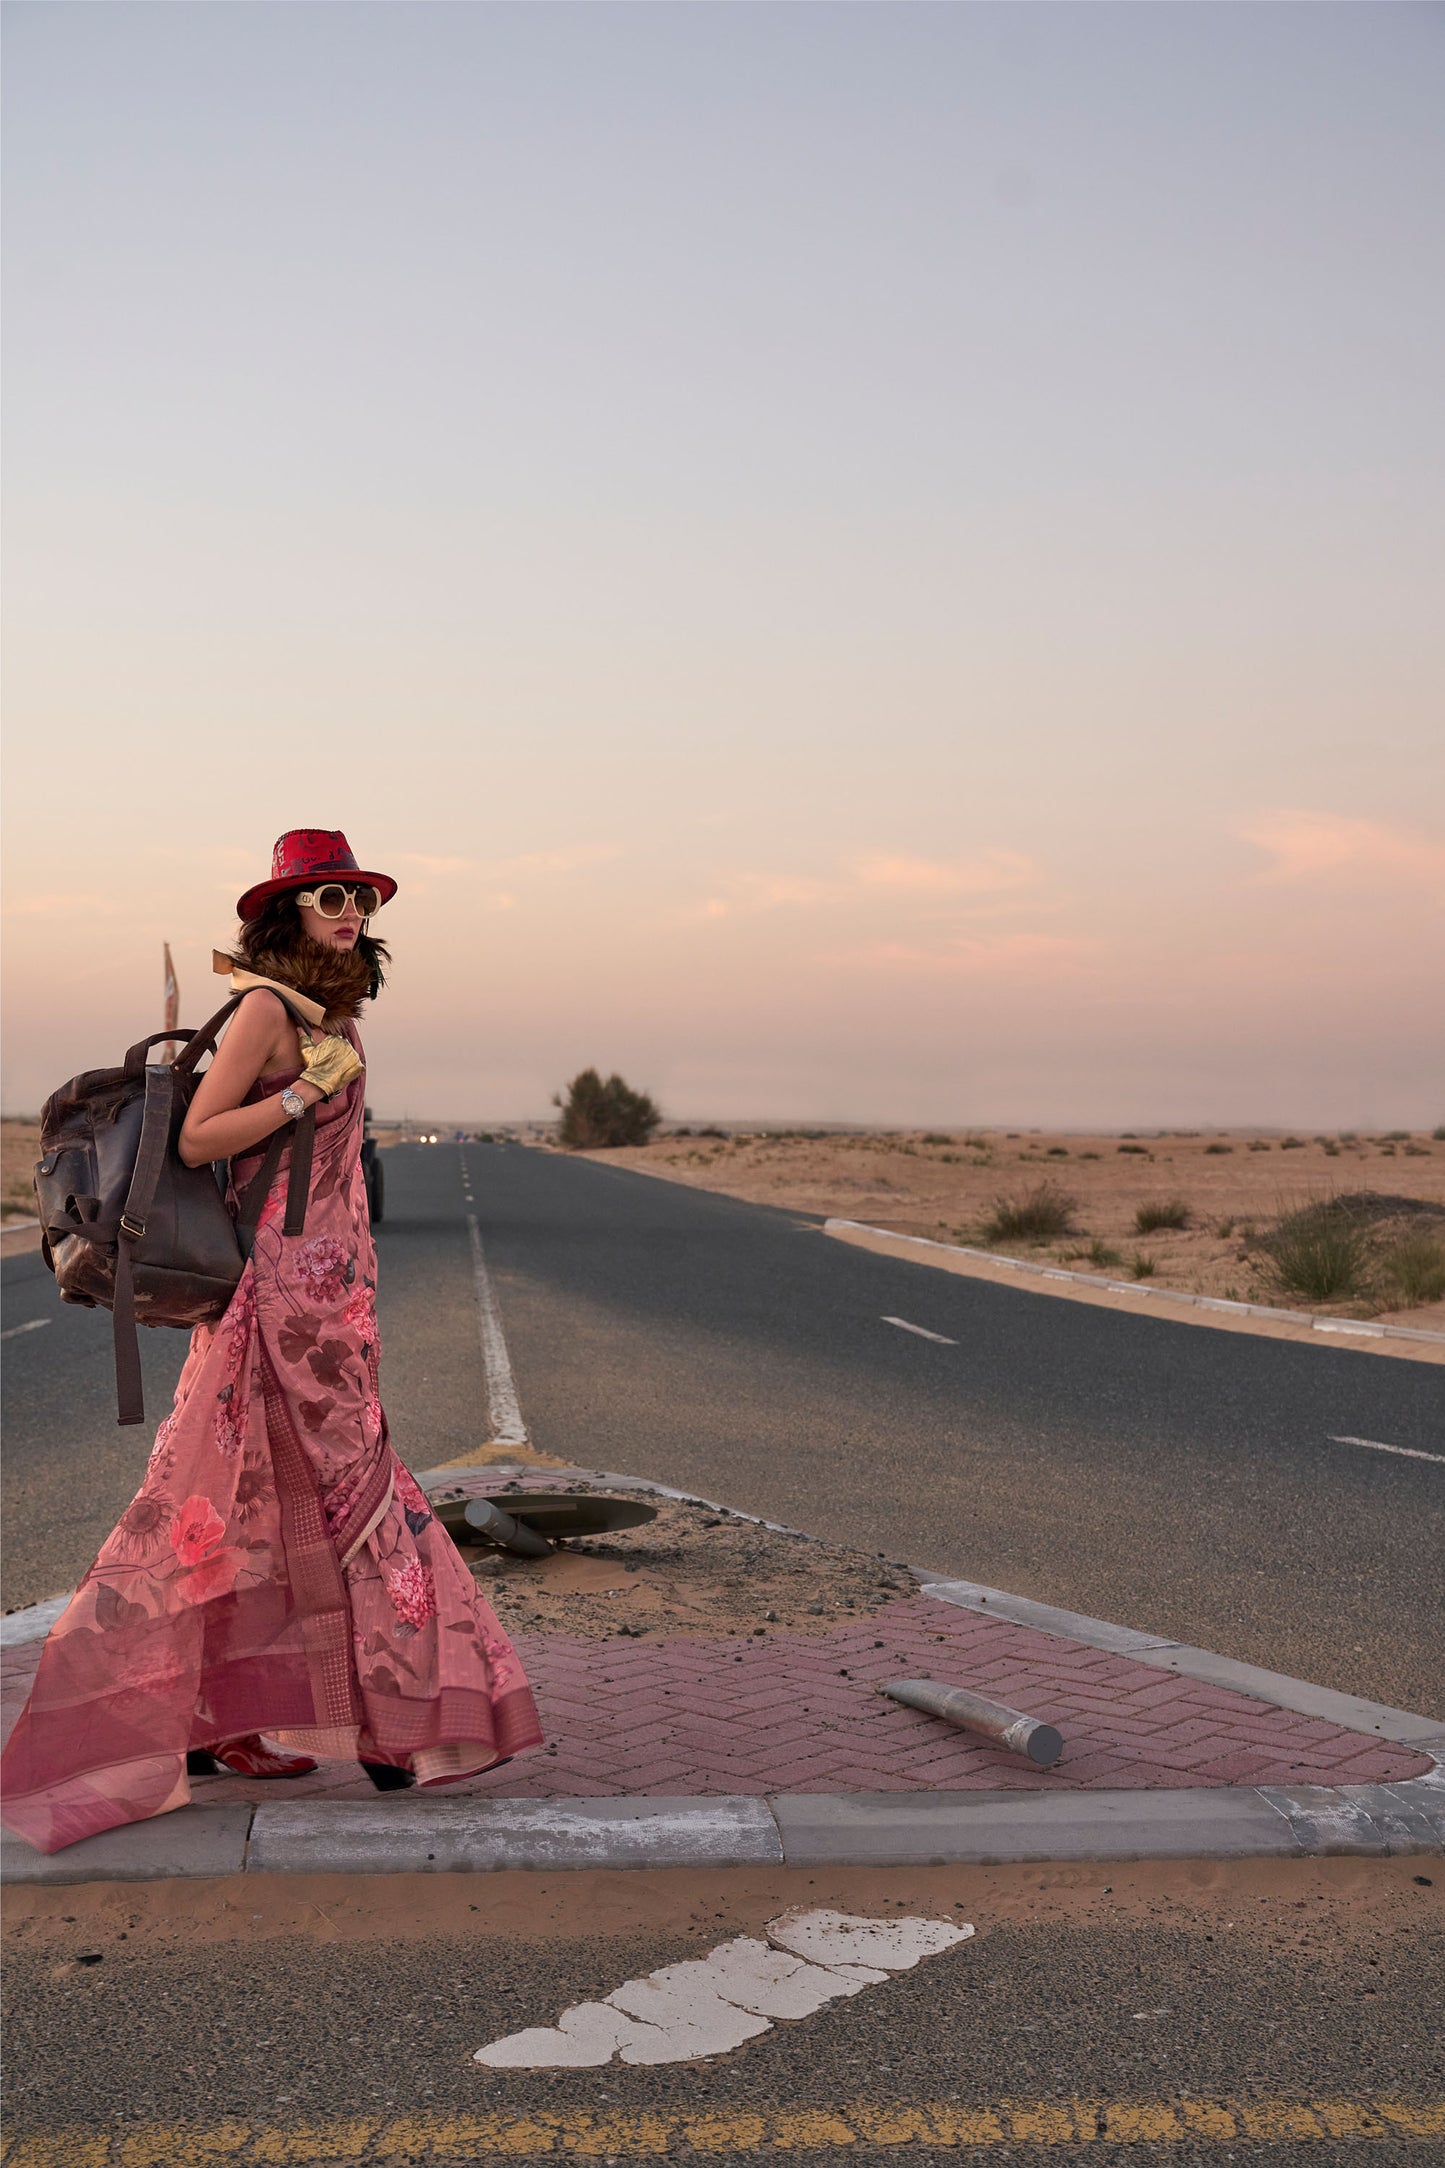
(278, 1570)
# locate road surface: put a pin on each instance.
(1178, 1479)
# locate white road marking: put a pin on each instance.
(707, 2006)
(13, 1227)
(921, 1330)
(34, 1325)
(33, 1623)
(1375, 1445)
(503, 1406)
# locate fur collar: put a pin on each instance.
(337, 979)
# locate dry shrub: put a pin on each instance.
(1412, 1270)
(1320, 1252)
(1043, 1214)
(1162, 1212)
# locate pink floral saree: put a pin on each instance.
(278, 1571)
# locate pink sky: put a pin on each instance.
(856, 563)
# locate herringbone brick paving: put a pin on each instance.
(793, 1712)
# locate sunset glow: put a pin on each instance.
(856, 563)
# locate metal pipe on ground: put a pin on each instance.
(500, 1528)
(992, 1720)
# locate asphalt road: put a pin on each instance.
(1153, 1472)
(1165, 1475)
(334, 2008)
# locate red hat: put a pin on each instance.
(306, 855)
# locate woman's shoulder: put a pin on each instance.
(259, 1021)
(258, 1009)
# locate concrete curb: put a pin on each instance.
(1351, 1328)
(421, 1834)
(789, 1829)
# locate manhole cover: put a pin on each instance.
(553, 1513)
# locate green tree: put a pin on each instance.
(597, 1116)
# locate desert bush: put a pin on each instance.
(713, 1133)
(1291, 1144)
(1142, 1267)
(1161, 1212)
(1417, 1151)
(598, 1116)
(1089, 1155)
(1412, 1270)
(1259, 1145)
(1041, 1216)
(1319, 1251)
(1138, 1151)
(1099, 1253)
(1438, 1133)
(1217, 1151)
(1225, 1229)
(932, 1136)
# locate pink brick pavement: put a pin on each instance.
(792, 1712)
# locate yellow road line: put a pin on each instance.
(449, 2141)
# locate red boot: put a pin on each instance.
(248, 1757)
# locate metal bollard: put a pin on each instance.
(512, 1535)
(991, 1719)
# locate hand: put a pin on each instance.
(330, 1063)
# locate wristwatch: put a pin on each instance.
(294, 1104)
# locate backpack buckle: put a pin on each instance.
(131, 1228)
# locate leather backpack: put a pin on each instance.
(126, 1225)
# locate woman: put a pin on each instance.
(278, 1571)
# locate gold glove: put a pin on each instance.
(330, 1063)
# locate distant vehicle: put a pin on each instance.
(373, 1171)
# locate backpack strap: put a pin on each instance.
(252, 1200)
(155, 1137)
(303, 1138)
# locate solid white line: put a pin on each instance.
(33, 1326)
(503, 1405)
(33, 1623)
(921, 1330)
(1406, 1452)
(13, 1227)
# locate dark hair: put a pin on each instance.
(277, 930)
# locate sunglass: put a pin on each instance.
(330, 901)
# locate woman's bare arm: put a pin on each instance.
(217, 1126)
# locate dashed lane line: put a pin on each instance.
(921, 1330)
(451, 2141)
(1377, 1445)
(32, 1325)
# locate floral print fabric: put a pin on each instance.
(274, 1525)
